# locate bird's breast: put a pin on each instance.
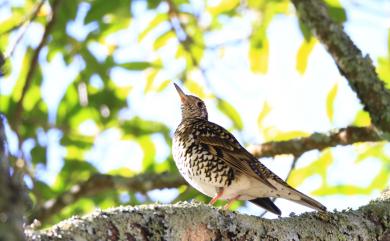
(203, 170)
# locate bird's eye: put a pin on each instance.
(199, 104)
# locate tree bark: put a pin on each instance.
(12, 194)
(195, 221)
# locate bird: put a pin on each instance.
(212, 161)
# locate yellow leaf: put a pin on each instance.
(288, 135)
(159, 18)
(362, 118)
(330, 102)
(318, 167)
(371, 150)
(381, 180)
(163, 39)
(345, 189)
(122, 171)
(258, 57)
(303, 54)
(263, 113)
(223, 7)
(163, 85)
(150, 79)
(195, 88)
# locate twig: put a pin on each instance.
(33, 65)
(24, 24)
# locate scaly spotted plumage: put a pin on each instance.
(213, 161)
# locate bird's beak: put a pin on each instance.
(183, 97)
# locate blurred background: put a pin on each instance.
(87, 88)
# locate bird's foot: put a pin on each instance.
(217, 196)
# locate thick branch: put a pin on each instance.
(196, 221)
(100, 183)
(358, 70)
(297, 147)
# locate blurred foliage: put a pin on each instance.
(83, 35)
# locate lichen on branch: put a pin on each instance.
(195, 221)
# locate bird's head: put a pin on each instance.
(191, 106)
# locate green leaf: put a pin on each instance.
(330, 102)
(303, 54)
(149, 151)
(230, 112)
(140, 65)
(137, 127)
(73, 172)
(32, 97)
(38, 154)
(101, 8)
(305, 31)
(336, 11)
(25, 65)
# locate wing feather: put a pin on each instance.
(229, 150)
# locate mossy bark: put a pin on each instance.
(195, 221)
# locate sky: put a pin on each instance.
(297, 101)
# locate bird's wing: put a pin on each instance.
(227, 148)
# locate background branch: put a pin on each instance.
(358, 70)
(25, 23)
(296, 147)
(34, 64)
(99, 183)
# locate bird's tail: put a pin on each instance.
(308, 201)
(267, 204)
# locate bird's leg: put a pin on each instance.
(217, 196)
(227, 205)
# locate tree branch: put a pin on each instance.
(34, 64)
(194, 221)
(296, 147)
(99, 183)
(358, 70)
